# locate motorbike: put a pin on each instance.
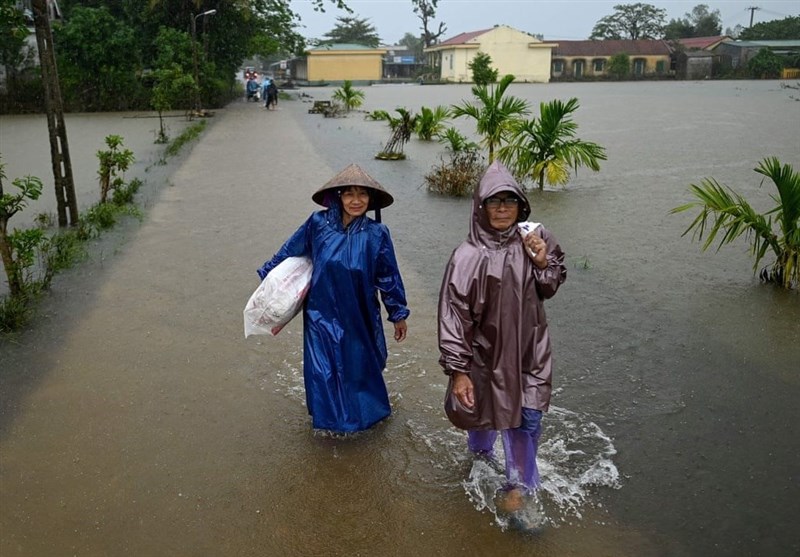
(253, 91)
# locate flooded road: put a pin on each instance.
(136, 420)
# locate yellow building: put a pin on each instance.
(512, 52)
(589, 59)
(339, 62)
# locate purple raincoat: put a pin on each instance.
(492, 323)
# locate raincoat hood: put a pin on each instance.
(496, 179)
(353, 175)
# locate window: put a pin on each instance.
(599, 65)
(660, 66)
(558, 66)
(639, 65)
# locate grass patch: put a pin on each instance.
(189, 134)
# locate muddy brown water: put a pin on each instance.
(136, 420)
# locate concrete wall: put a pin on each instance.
(343, 65)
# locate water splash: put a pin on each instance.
(575, 456)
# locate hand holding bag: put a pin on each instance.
(278, 298)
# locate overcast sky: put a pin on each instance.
(562, 19)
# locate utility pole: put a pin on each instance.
(752, 11)
(54, 107)
(194, 57)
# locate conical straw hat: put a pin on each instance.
(354, 175)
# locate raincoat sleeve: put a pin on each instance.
(298, 244)
(551, 277)
(456, 322)
(389, 282)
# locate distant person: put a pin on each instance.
(252, 89)
(493, 336)
(264, 86)
(344, 348)
(272, 96)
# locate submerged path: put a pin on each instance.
(136, 420)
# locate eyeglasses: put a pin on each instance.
(495, 202)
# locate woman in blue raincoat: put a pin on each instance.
(344, 348)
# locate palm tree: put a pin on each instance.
(402, 128)
(494, 113)
(430, 122)
(546, 148)
(456, 142)
(350, 98)
(730, 212)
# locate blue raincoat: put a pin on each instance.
(344, 348)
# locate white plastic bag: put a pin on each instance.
(278, 298)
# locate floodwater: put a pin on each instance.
(25, 151)
(136, 420)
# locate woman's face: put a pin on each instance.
(355, 201)
(502, 209)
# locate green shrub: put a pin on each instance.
(457, 177)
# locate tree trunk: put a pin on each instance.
(12, 271)
(59, 148)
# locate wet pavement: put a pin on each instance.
(137, 420)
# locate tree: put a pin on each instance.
(493, 113)
(779, 29)
(678, 29)
(544, 149)
(482, 71)
(414, 45)
(262, 27)
(353, 30)
(113, 163)
(699, 23)
(430, 122)
(99, 60)
(172, 89)
(402, 128)
(734, 32)
(631, 21)
(727, 211)
(619, 66)
(426, 11)
(13, 33)
(765, 65)
(348, 96)
(16, 248)
(706, 23)
(173, 84)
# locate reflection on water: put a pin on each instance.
(575, 455)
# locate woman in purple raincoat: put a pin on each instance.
(493, 335)
(344, 348)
